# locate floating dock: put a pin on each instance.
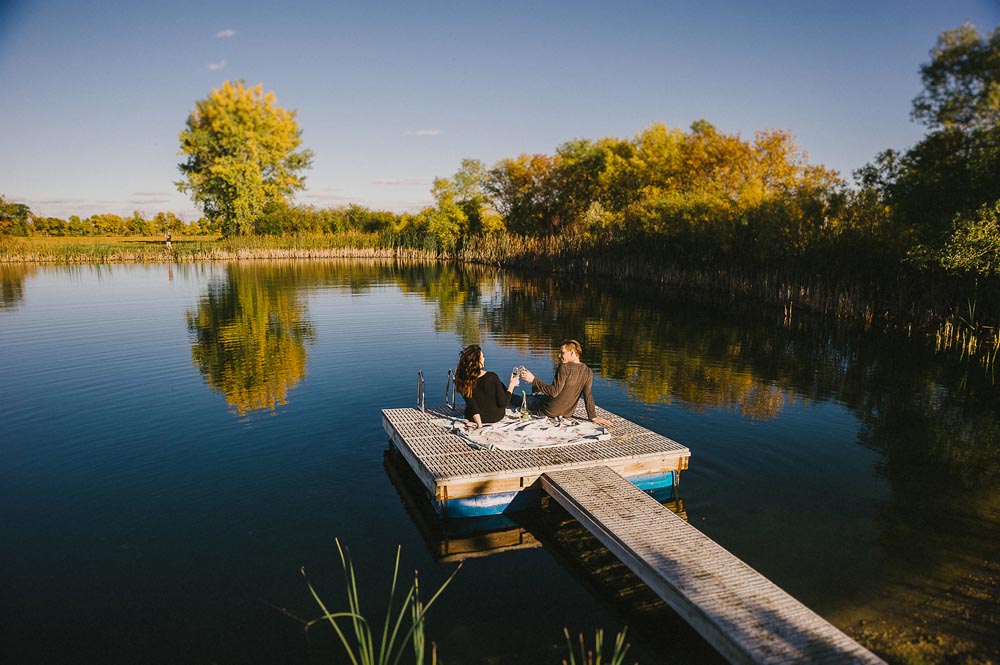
(742, 614)
(464, 482)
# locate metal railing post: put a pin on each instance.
(447, 387)
(420, 391)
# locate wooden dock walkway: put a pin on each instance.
(736, 609)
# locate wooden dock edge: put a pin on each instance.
(742, 614)
(522, 474)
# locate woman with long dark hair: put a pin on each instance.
(485, 396)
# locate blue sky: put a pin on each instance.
(393, 94)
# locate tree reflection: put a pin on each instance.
(642, 341)
(457, 293)
(935, 424)
(939, 433)
(936, 429)
(12, 277)
(250, 335)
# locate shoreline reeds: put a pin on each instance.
(914, 303)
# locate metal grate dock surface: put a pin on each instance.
(449, 466)
(740, 612)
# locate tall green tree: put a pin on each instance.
(936, 187)
(974, 245)
(242, 154)
(962, 81)
(467, 190)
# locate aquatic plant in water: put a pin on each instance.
(595, 656)
(363, 650)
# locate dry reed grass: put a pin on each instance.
(875, 305)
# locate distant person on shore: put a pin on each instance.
(168, 240)
(486, 398)
(573, 380)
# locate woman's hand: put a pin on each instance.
(513, 383)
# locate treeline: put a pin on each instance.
(704, 198)
(16, 219)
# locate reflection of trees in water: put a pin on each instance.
(938, 430)
(704, 355)
(660, 346)
(660, 352)
(457, 292)
(935, 424)
(251, 332)
(12, 277)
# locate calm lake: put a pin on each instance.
(178, 441)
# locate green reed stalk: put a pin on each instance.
(362, 649)
(596, 656)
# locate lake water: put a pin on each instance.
(178, 441)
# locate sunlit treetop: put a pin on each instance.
(242, 153)
(961, 82)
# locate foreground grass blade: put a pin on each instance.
(391, 646)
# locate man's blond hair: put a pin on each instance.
(573, 345)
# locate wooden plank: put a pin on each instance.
(745, 616)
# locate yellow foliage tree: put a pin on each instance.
(242, 153)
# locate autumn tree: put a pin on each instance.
(242, 153)
(522, 190)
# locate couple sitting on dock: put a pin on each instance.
(486, 398)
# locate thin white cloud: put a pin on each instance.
(426, 132)
(415, 206)
(402, 181)
(226, 34)
(56, 201)
(216, 66)
(326, 196)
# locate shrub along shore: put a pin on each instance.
(919, 304)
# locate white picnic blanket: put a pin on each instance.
(513, 433)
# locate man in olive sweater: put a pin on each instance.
(572, 380)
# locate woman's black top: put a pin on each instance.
(489, 399)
